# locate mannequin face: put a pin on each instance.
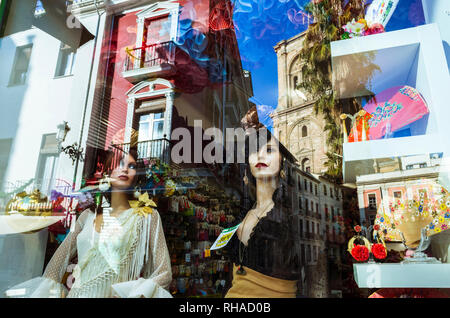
(124, 175)
(266, 162)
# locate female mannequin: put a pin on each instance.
(121, 250)
(263, 249)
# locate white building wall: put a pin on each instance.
(36, 108)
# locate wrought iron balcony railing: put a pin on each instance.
(159, 54)
(149, 149)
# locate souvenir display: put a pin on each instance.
(380, 11)
(403, 219)
(363, 253)
(194, 217)
(394, 109)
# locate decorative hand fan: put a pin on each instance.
(393, 109)
(380, 11)
(429, 209)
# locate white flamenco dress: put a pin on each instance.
(128, 258)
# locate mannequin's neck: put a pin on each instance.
(119, 201)
(265, 187)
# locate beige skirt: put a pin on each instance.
(257, 285)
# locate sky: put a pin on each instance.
(261, 24)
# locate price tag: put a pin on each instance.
(224, 237)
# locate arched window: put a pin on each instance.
(295, 82)
(304, 131)
(306, 165)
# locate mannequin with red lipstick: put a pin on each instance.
(263, 249)
(120, 246)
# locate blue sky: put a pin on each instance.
(261, 24)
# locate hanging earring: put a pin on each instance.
(136, 193)
(105, 184)
(282, 174)
(245, 179)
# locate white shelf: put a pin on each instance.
(397, 275)
(413, 57)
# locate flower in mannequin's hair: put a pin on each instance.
(105, 184)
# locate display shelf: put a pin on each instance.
(18, 223)
(398, 275)
(374, 63)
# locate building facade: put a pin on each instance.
(44, 86)
(299, 128)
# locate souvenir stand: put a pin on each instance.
(193, 215)
(405, 111)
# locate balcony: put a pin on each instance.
(156, 60)
(149, 149)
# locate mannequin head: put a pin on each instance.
(125, 171)
(265, 162)
(124, 175)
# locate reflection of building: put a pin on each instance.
(165, 65)
(320, 204)
(43, 83)
(318, 213)
(158, 76)
(299, 128)
(402, 178)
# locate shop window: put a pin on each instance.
(66, 59)
(397, 194)
(372, 201)
(20, 66)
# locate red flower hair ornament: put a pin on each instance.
(360, 253)
(379, 251)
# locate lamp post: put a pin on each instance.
(61, 134)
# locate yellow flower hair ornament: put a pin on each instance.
(144, 205)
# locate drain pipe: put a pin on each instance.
(87, 92)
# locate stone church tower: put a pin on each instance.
(294, 121)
